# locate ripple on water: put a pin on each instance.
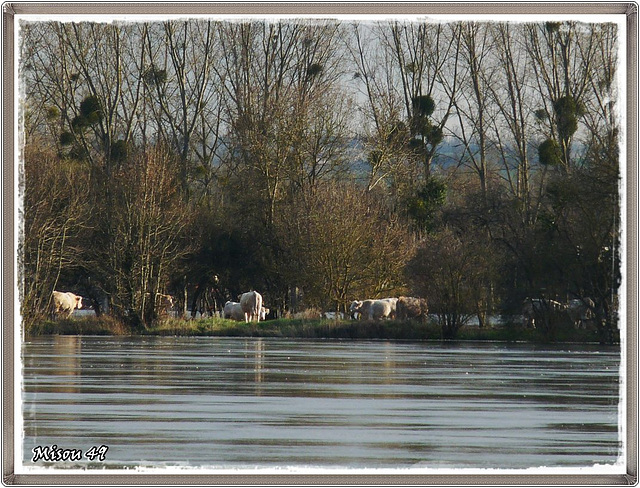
(244, 402)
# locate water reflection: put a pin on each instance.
(258, 368)
(68, 365)
(225, 402)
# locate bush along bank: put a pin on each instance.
(412, 330)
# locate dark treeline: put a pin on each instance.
(474, 164)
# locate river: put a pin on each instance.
(244, 403)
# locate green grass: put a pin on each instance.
(299, 328)
(309, 329)
(353, 329)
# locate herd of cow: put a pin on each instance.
(250, 308)
(401, 308)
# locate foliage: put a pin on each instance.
(66, 138)
(567, 112)
(90, 113)
(423, 105)
(549, 153)
(155, 76)
(120, 151)
(422, 206)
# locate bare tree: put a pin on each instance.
(449, 271)
(55, 213)
(178, 70)
(512, 95)
(472, 104)
(562, 56)
(140, 236)
(385, 131)
(85, 78)
(343, 244)
(425, 56)
(407, 73)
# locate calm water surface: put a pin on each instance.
(236, 402)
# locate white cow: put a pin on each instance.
(393, 301)
(66, 302)
(358, 308)
(251, 303)
(373, 309)
(233, 311)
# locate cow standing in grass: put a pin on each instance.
(233, 311)
(373, 309)
(65, 303)
(251, 303)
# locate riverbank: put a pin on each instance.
(314, 329)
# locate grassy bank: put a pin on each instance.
(310, 329)
(104, 325)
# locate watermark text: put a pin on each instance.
(55, 454)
